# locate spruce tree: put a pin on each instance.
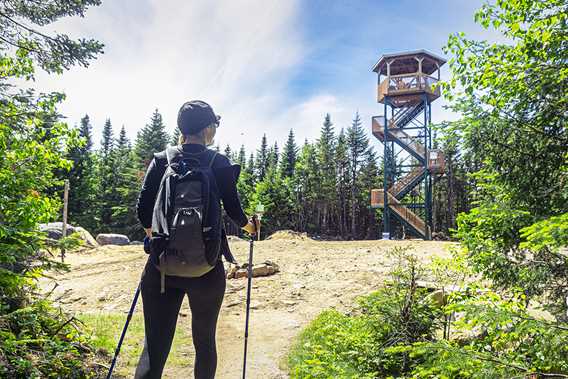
(151, 139)
(107, 142)
(306, 189)
(289, 156)
(86, 132)
(229, 153)
(175, 137)
(81, 179)
(127, 182)
(325, 155)
(358, 143)
(368, 179)
(250, 165)
(342, 167)
(262, 159)
(106, 186)
(242, 158)
(272, 158)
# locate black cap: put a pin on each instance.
(195, 116)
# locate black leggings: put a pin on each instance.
(160, 316)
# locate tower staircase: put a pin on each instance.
(404, 185)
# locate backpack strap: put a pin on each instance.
(173, 152)
(212, 160)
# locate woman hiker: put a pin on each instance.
(198, 124)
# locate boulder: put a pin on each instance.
(55, 231)
(87, 237)
(112, 239)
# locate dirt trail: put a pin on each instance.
(314, 276)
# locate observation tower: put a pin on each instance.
(405, 88)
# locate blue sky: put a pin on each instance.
(265, 66)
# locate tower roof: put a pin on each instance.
(405, 62)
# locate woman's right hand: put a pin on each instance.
(250, 227)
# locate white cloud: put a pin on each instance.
(237, 55)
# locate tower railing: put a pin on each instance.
(407, 84)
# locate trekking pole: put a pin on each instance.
(249, 285)
(130, 313)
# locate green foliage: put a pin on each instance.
(53, 53)
(373, 342)
(35, 341)
(513, 123)
(151, 139)
(274, 192)
(38, 342)
(495, 336)
(397, 331)
(104, 329)
(513, 101)
(261, 163)
(289, 156)
(334, 345)
(551, 233)
(175, 137)
(82, 179)
(124, 219)
(106, 189)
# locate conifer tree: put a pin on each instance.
(277, 200)
(151, 139)
(342, 167)
(175, 137)
(262, 159)
(127, 182)
(86, 132)
(358, 143)
(305, 184)
(289, 156)
(272, 158)
(81, 184)
(250, 165)
(368, 179)
(229, 153)
(325, 155)
(107, 142)
(106, 186)
(242, 157)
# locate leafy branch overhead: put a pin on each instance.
(21, 28)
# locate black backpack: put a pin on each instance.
(186, 222)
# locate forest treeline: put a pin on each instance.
(320, 187)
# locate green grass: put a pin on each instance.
(332, 346)
(105, 329)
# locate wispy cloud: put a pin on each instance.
(239, 56)
(265, 65)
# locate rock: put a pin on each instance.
(264, 269)
(261, 270)
(234, 239)
(54, 231)
(112, 239)
(87, 237)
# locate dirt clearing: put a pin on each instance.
(314, 275)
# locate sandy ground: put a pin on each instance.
(314, 276)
